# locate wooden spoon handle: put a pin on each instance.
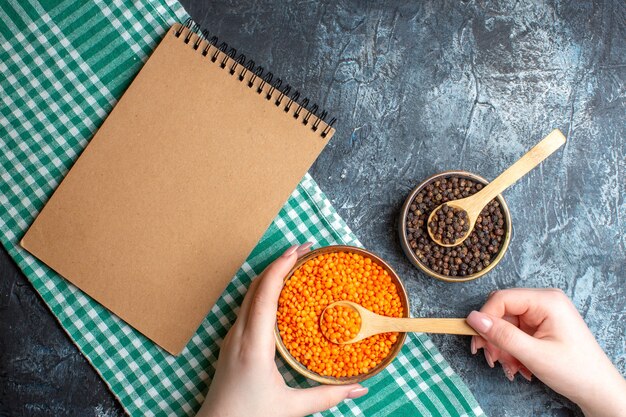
(531, 159)
(429, 325)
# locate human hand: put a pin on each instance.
(247, 381)
(540, 332)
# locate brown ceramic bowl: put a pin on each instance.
(303, 370)
(415, 260)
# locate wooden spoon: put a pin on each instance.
(372, 323)
(474, 204)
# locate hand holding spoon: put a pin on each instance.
(462, 213)
(366, 324)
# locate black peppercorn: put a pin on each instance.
(449, 224)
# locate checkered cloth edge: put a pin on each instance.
(63, 66)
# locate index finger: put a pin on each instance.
(531, 303)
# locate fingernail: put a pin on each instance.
(528, 376)
(302, 249)
(507, 372)
(479, 321)
(491, 293)
(290, 251)
(473, 346)
(357, 392)
(488, 358)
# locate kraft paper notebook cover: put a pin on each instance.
(178, 185)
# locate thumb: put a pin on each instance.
(313, 400)
(505, 336)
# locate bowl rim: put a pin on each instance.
(404, 299)
(415, 260)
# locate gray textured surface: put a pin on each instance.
(418, 89)
(42, 373)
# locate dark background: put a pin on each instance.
(418, 89)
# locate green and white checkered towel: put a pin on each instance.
(63, 65)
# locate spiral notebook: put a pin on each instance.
(178, 185)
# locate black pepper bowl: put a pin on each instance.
(404, 241)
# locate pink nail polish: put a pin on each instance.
(290, 251)
(528, 376)
(479, 321)
(357, 392)
(473, 346)
(304, 248)
(508, 372)
(488, 358)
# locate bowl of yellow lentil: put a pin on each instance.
(319, 278)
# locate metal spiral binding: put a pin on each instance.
(243, 65)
